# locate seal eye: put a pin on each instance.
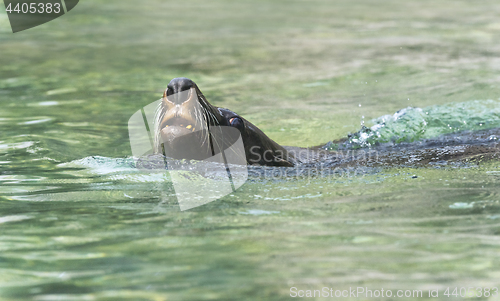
(237, 123)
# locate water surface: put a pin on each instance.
(79, 222)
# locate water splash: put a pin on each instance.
(411, 124)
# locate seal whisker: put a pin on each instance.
(159, 115)
(201, 119)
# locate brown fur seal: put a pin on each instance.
(186, 124)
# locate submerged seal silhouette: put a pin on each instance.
(185, 120)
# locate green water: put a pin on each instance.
(78, 222)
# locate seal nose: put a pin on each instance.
(178, 90)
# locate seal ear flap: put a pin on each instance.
(238, 123)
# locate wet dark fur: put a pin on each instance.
(261, 150)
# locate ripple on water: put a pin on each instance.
(258, 212)
(35, 121)
(17, 145)
(13, 218)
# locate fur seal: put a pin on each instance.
(187, 123)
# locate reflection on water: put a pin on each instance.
(79, 222)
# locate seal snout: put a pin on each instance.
(180, 105)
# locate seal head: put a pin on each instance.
(186, 124)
